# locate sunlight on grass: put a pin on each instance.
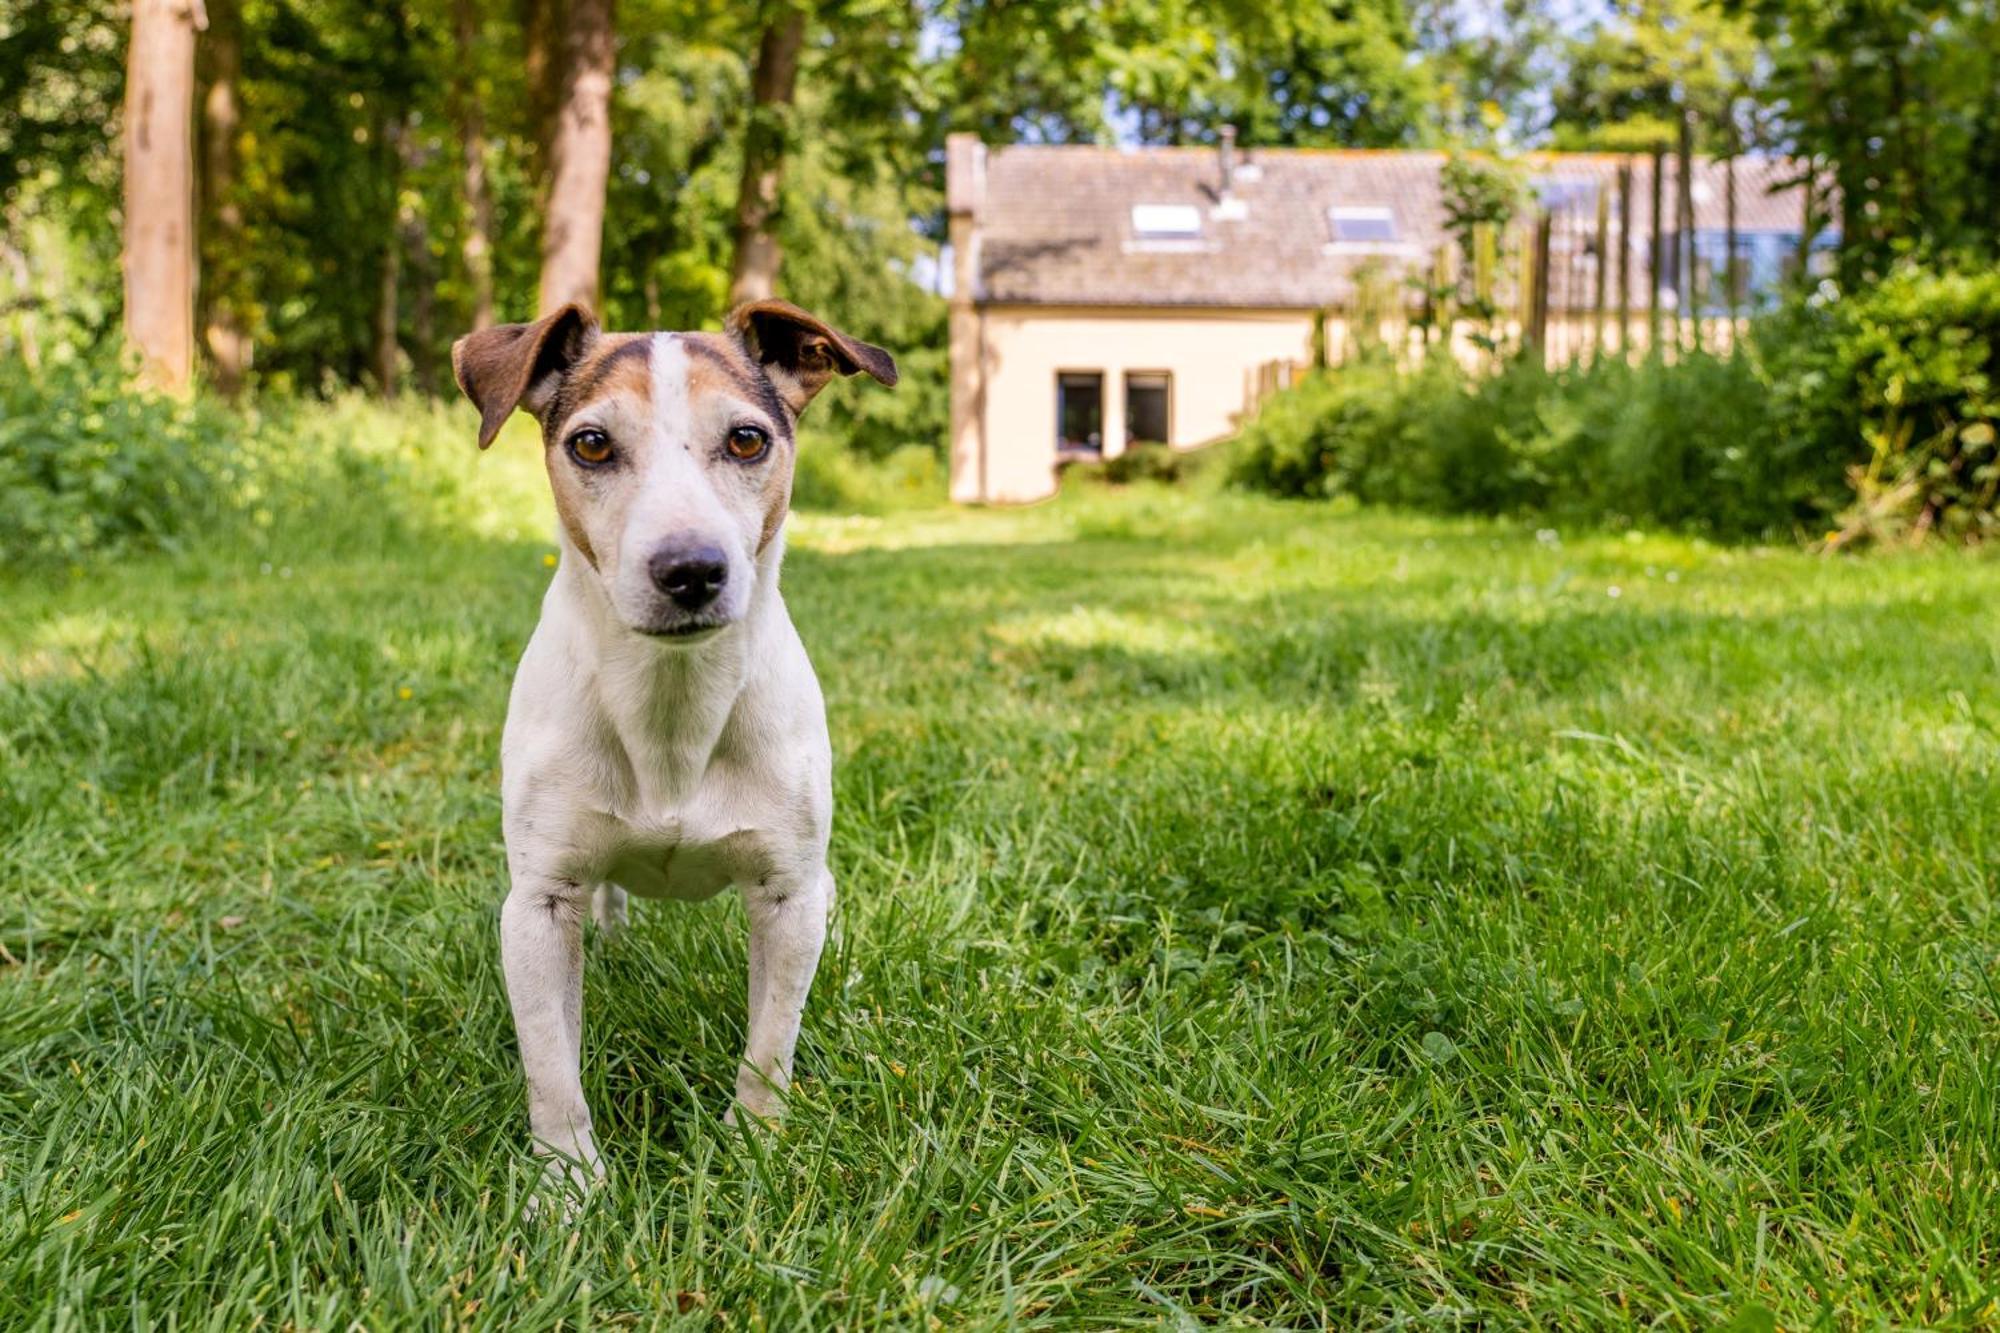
(1256, 911)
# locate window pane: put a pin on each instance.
(1166, 221)
(1080, 412)
(1146, 407)
(1362, 225)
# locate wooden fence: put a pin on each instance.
(1591, 273)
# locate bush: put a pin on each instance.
(1900, 386)
(832, 479)
(92, 469)
(1877, 412)
(87, 466)
(1146, 462)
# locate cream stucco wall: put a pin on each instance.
(1005, 360)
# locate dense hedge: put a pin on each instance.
(1872, 415)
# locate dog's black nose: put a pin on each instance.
(691, 575)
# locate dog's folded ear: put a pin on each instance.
(519, 365)
(801, 353)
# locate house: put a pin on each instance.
(1106, 296)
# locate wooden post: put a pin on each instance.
(1524, 294)
(1625, 259)
(1603, 270)
(1653, 261)
(1734, 268)
(1688, 294)
(1808, 218)
(1538, 289)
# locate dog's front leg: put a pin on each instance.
(787, 931)
(541, 951)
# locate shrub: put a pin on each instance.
(88, 466)
(1144, 462)
(1900, 385)
(92, 469)
(1877, 411)
(832, 479)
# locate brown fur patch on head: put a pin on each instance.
(723, 366)
(617, 365)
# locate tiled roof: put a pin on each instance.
(1055, 224)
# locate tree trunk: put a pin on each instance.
(477, 247)
(415, 230)
(224, 319)
(541, 68)
(579, 160)
(754, 274)
(388, 355)
(159, 189)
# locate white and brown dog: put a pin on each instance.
(666, 734)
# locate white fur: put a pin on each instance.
(666, 768)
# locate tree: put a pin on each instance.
(1631, 81)
(767, 128)
(476, 247)
(224, 301)
(1894, 100)
(159, 189)
(579, 159)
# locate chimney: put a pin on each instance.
(1227, 151)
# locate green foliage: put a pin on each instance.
(831, 478)
(1877, 412)
(90, 470)
(1901, 384)
(1144, 462)
(1692, 445)
(88, 467)
(1894, 101)
(1627, 83)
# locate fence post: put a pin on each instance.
(1734, 267)
(1603, 270)
(1653, 260)
(1625, 259)
(1538, 289)
(1687, 304)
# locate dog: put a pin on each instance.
(666, 735)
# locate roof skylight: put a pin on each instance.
(1372, 225)
(1166, 222)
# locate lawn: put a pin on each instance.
(1254, 912)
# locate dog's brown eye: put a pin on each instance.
(592, 448)
(747, 444)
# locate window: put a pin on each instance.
(1080, 412)
(1166, 222)
(1362, 226)
(1566, 194)
(1148, 405)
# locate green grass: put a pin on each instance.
(1250, 912)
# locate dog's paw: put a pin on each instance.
(563, 1187)
(765, 1111)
